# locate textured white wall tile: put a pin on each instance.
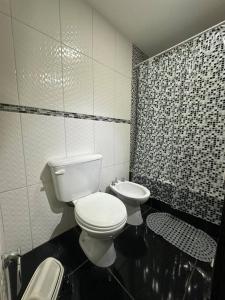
(8, 85)
(49, 217)
(39, 68)
(44, 138)
(76, 24)
(2, 238)
(104, 40)
(12, 170)
(122, 97)
(77, 81)
(104, 141)
(79, 136)
(4, 6)
(107, 176)
(122, 143)
(122, 171)
(16, 221)
(42, 15)
(104, 90)
(3, 289)
(123, 61)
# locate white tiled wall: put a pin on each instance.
(42, 15)
(104, 91)
(104, 38)
(4, 6)
(76, 25)
(16, 219)
(77, 81)
(58, 55)
(79, 136)
(8, 88)
(104, 142)
(3, 289)
(12, 172)
(39, 69)
(43, 137)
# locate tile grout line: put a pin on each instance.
(114, 136)
(47, 181)
(25, 170)
(128, 225)
(28, 185)
(189, 280)
(66, 45)
(78, 268)
(21, 127)
(4, 232)
(147, 210)
(5, 13)
(97, 61)
(92, 63)
(93, 80)
(63, 91)
(121, 285)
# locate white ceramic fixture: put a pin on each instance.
(133, 195)
(101, 216)
(46, 281)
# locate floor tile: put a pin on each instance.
(149, 267)
(145, 210)
(199, 286)
(65, 248)
(146, 267)
(145, 207)
(91, 282)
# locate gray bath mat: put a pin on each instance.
(185, 237)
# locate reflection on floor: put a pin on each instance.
(147, 267)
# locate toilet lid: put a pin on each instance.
(101, 210)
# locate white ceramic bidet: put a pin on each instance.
(133, 195)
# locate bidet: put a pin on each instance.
(133, 195)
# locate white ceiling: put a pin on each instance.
(155, 25)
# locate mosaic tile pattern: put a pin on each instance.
(57, 113)
(180, 141)
(182, 235)
(137, 57)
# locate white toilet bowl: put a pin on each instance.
(133, 195)
(101, 217)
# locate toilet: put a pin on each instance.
(101, 216)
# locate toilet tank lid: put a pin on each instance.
(60, 162)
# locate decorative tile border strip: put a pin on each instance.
(56, 113)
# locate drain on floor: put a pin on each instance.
(185, 237)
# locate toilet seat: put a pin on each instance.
(100, 212)
(93, 229)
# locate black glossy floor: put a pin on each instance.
(147, 267)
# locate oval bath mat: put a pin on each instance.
(182, 235)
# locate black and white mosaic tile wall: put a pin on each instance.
(180, 141)
(137, 57)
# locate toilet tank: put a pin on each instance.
(76, 177)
